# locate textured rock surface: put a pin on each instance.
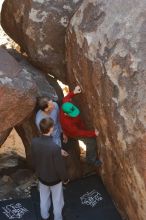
(39, 27)
(20, 84)
(17, 92)
(106, 52)
(16, 183)
(43, 83)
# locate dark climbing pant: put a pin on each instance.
(91, 149)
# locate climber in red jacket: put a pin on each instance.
(73, 127)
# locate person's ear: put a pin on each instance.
(46, 109)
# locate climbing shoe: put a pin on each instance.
(97, 163)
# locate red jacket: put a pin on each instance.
(73, 127)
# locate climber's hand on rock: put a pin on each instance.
(77, 90)
(64, 153)
(96, 132)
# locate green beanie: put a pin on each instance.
(70, 109)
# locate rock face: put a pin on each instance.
(106, 48)
(39, 27)
(20, 84)
(17, 92)
(42, 82)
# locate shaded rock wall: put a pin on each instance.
(106, 50)
(17, 92)
(20, 84)
(39, 27)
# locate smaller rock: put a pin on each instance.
(6, 189)
(8, 160)
(22, 176)
(6, 179)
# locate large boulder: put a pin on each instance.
(17, 92)
(39, 27)
(20, 84)
(106, 48)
